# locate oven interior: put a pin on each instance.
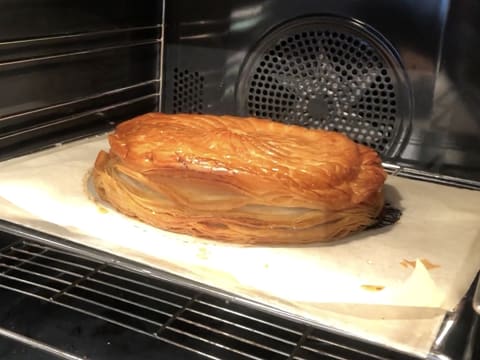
(393, 76)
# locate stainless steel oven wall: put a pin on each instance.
(398, 75)
(71, 67)
(449, 139)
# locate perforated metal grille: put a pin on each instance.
(187, 91)
(327, 75)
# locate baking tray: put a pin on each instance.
(308, 282)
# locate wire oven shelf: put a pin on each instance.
(200, 323)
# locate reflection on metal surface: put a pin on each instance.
(447, 326)
(476, 299)
(244, 18)
(38, 345)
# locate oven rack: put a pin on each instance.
(203, 324)
(411, 173)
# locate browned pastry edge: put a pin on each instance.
(150, 194)
(228, 226)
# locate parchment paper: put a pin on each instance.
(328, 284)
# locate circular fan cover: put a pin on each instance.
(328, 73)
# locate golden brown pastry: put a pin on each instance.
(241, 180)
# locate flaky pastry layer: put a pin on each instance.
(242, 180)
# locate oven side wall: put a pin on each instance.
(69, 69)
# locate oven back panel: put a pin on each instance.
(392, 75)
(68, 66)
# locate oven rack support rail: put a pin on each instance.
(411, 173)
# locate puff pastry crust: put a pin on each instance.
(242, 180)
